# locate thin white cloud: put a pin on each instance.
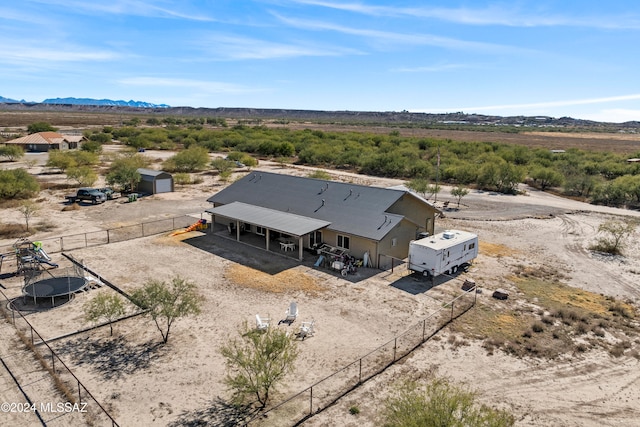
(431, 68)
(241, 48)
(552, 104)
(127, 7)
(201, 85)
(26, 51)
(387, 37)
(503, 14)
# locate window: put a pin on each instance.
(315, 238)
(260, 230)
(394, 242)
(472, 245)
(343, 241)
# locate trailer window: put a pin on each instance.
(472, 245)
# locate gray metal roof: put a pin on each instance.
(350, 208)
(284, 222)
(151, 172)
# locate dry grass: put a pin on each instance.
(496, 250)
(288, 280)
(556, 319)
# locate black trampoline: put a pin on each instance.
(55, 287)
(52, 290)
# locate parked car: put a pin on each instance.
(109, 192)
(89, 195)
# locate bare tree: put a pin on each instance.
(28, 209)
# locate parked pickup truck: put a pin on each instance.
(87, 194)
(110, 193)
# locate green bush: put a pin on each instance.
(190, 160)
(17, 184)
(440, 403)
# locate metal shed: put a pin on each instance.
(152, 181)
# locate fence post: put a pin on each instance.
(452, 304)
(86, 243)
(53, 362)
(79, 394)
(108, 237)
(311, 401)
(61, 244)
(142, 228)
(424, 328)
(395, 346)
(31, 329)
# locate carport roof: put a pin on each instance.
(284, 222)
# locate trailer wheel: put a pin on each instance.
(344, 272)
(425, 273)
(454, 269)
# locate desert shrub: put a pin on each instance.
(440, 403)
(620, 309)
(537, 327)
(581, 348)
(12, 231)
(319, 174)
(354, 410)
(17, 184)
(190, 160)
(548, 320)
(11, 152)
(182, 178)
(599, 332)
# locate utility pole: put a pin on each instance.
(435, 194)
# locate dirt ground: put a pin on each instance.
(144, 383)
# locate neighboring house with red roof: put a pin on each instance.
(45, 141)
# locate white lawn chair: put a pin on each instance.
(292, 313)
(306, 330)
(262, 323)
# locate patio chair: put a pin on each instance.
(262, 323)
(306, 330)
(292, 313)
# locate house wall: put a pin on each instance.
(357, 245)
(415, 210)
(401, 235)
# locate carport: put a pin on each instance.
(270, 220)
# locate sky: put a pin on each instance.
(571, 58)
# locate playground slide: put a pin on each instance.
(200, 225)
(43, 254)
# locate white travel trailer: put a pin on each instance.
(442, 253)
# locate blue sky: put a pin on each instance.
(519, 57)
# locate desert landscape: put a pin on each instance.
(140, 381)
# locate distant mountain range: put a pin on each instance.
(458, 120)
(87, 101)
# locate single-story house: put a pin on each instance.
(360, 219)
(45, 141)
(153, 181)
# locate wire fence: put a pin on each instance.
(77, 398)
(111, 235)
(327, 391)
